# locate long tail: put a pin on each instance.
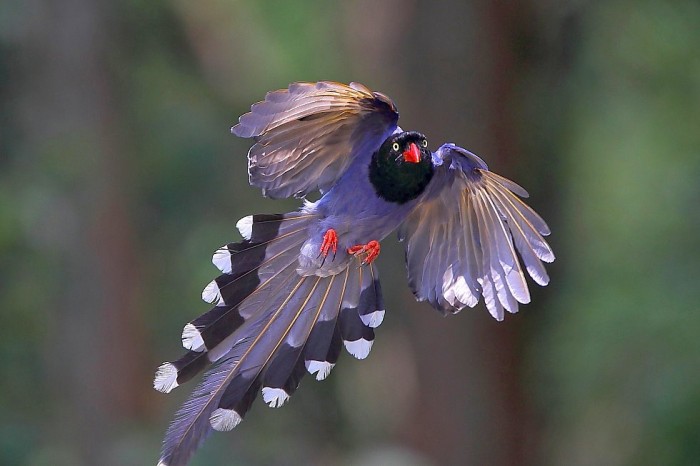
(269, 326)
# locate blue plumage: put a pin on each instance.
(302, 285)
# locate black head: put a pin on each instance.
(402, 167)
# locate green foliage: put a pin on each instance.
(622, 342)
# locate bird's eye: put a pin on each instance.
(395, 147)
(425, 143)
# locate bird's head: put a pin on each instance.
(408, 147)
(402, 167)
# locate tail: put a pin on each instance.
(269, 326)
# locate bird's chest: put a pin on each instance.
(355, 209)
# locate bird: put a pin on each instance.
(302, 285)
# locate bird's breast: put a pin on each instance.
(354, 209)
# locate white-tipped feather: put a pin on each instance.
(192, 339)
(373, 319)
(358, 348)
(245, 226)
(224, 419)
(463, 241)
(222, 259)
(166, 378)
(274, 397)
(211, 294)
(463, 293)
(320, 368)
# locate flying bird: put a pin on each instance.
(303, 285)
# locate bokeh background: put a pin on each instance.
(118, 178)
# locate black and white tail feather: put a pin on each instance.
(268, 327)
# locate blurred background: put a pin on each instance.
(118, 179)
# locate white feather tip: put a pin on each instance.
(373, 319)
(192, 339)
(274, 397)
(166, 378)
(245, 226)
(224, 419)
(358, 348)
(320, 368)
(222, 259)
(211, 293)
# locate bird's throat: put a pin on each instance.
(399, 182)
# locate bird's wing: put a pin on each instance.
(307, 135)
(461, 240)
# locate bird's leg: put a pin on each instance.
(371, 249)
(330, 242)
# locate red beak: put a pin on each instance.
(412, 155)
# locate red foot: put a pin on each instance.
(330, 242)
(371, 249)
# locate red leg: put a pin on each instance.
(371, 249)
(330, 242)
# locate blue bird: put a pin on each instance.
(302, 285)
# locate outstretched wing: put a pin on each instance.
(461, 240)
(308, 134)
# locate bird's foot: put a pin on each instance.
(371, 250)
(330, 242)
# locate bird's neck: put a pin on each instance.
(398, 183)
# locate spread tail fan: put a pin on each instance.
(269, 326)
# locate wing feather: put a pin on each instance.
(491, 279)
(308, 134)
(531, 224)
(468, 285)
(531, 258)
(509, 262)
(467, 236)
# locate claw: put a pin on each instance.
(356, 249)
(330, 242)
(371, 250)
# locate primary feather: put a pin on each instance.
(461, 239)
